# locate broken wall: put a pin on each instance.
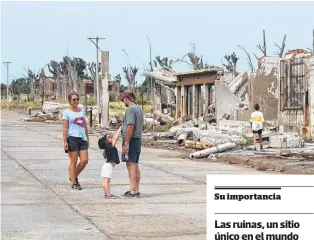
(295, 109)
(310, 106)
(225, 99)
(284, 88)
(264, 88)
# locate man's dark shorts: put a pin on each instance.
(259, 132)
(76, 144)
(135, 146)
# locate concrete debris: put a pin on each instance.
(235, 127)
(181, 139)
(206, 152)
(148, 122)
(308, 155)
(210, 118)
(215, 139)
(162, 135)
(163, 118)
(285, 153)
(53, 107)
(286, 141)
(41, 117)
(226, 116)
(159, 119)
(181, 120)
(197, 145)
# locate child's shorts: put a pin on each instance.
(259, 132)
(106, 170)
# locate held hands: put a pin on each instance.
(125, 148)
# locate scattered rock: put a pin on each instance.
(285, 153)
(308, 155)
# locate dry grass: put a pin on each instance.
(118, 108)
(115, 108)
(21, 105)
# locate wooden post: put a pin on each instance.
(85, 85)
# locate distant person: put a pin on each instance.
(132, 141)
(75, 138)
(257, 120)
(108, 143)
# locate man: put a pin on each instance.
(131, 141)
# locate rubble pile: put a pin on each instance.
(224, 135)
(201, 134)
(158, 119)
(286, 141)
(52, 111)
(41, 117)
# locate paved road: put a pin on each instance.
(38, 203)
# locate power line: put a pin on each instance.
(96, 78)
(7, 65)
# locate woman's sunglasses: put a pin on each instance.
(75, 99)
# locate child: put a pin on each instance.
(257, 120)
(111, 154)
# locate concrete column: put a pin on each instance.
(212, 93)
(104, 89)
(206, 96)
(195, 102)
(183, 96)
(178, 100)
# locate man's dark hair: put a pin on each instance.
(129, 95)
(256, 106)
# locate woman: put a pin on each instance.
(75, 138)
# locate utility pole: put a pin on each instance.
(7, 65)
(97, 80)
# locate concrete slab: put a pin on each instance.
(46, 222)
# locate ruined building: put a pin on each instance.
(284, 87)
(195, 91)
(165, 83)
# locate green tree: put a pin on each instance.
(123, 88)
(20, 85)
(3, 90)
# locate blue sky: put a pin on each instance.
(33, 33)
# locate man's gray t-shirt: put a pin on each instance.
(133, 115)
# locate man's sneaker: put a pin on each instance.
(110, 197)
(128, 192)
(130, 195)
(261, 146)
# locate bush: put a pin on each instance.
(90, 102)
